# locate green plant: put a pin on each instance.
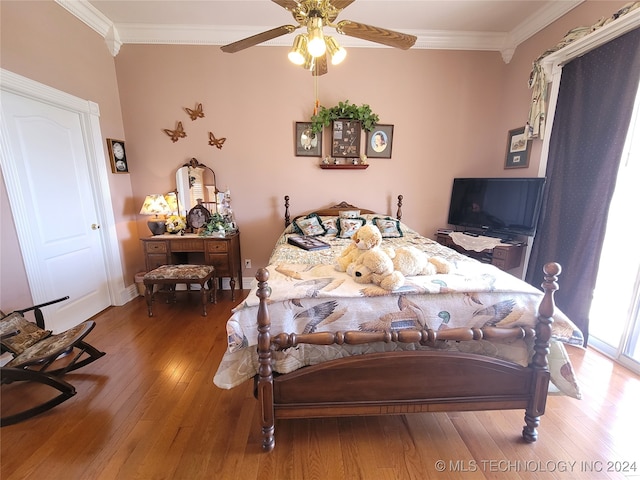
(347, 110)
(216, 224)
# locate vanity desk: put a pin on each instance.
(221, 252)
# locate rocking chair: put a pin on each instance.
(39, 356)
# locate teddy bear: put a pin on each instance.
(348, 255)
(412, 261)
(371, 264)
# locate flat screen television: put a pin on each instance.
(503, 207)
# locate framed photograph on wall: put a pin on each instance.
(117, 155)
(379, 141)
(308, 144)
(518, 149)
(345, 141)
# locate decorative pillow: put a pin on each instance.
(310, 225)
(349, 213)
(29, 333)
(562, 375)
(348, 226)
(330, 225)
(389, 227)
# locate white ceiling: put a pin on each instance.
(495, 25)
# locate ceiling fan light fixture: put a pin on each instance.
(298, 50)
(337, 52)
(316, 44)
(309, 62)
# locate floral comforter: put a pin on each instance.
(309, 295)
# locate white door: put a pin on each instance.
(63, 243)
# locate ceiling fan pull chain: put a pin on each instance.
(316, 105)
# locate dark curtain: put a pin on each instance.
(595, 103)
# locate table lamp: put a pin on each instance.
(172, 201)
(156, 205)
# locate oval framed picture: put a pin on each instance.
(380, 141)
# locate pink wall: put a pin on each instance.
(451, 111)
(42, 41)
(445, 108)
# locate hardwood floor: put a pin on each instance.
(149, 409)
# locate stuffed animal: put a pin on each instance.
(360, 242)
(372, 264)
(348, 255)
(411, 261)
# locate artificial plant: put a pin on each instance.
(344, 110)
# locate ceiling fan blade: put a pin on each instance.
(288, 4)
(376, 34)
(320, 66)
(341, 4)
(258, 38)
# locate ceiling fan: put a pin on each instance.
(310, 49)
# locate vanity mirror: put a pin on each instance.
(196, 184)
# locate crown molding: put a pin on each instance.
(95, 19)
(123, 33)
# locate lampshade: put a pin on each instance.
(155, 204)
(298, 50)
(316, 45)
(172, 200)
(335, 50)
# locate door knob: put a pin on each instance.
(95, 226)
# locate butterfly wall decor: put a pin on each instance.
(176, 134)
(195, 113)
(216, 142)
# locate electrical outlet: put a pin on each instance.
(247, 263)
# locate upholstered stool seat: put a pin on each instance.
(171, 275)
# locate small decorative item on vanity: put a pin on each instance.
(198, 217)
(156, 205)
(218, 226)
(176, 224)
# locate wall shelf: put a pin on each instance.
(343, 167)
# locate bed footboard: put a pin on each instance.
(452, 381)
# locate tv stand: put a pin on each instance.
(505, 256)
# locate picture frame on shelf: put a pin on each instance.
(380, 141)
(345, 138)
(518, 149)
(117, 155)
(308, 144)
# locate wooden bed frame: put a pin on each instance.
(370, 384)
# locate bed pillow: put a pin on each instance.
(348, 226)
(349, 213)
(310, 225)
(389, 227)
(330, 225)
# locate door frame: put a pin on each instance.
(89, 114)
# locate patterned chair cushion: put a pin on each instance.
(28, 333)
(179, 272)
(52, 345)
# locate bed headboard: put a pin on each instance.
(335, 210)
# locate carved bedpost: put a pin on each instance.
(399, 212)
(539, 362)
(287, 218)
(265, 373)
